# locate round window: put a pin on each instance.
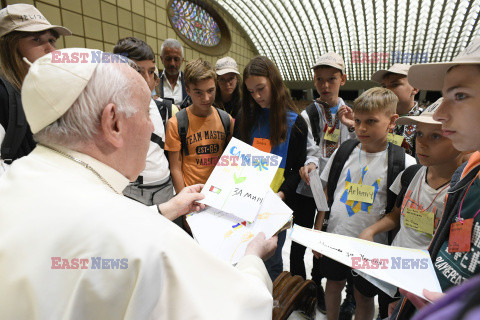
(200, 26)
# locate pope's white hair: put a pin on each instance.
(109, 83)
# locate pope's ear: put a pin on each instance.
(112, 124)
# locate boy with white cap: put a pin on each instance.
(455, 248)
(395, 79)
(330, 122)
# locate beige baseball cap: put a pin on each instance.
(398, 68)
(331, 59)
(27, 18)
(226, 65)
(50, 87)
(430, 76)
(425, 117)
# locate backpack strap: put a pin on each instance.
(396, 164)
(342, 155)
(182, 120)
(225, 118)
(165, 109)
(158, 140)
(405, 180)
(314, 118)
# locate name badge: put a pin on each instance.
(361, 192)
(334, 136)
(419, 221)
(460, 236)
(262, 144)
(395, 139)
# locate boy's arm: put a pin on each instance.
(175, 159)
(387, 223)
(319, 224)
(313, 152)
(320, 215)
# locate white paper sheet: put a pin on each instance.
(240, 180)
(317, 190)
(227, 236)
(409, 269)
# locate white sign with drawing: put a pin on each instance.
(227, 236)
(240, 180)
(409, 269)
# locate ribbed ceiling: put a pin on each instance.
(370, 34)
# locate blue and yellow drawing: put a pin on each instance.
(356, 206)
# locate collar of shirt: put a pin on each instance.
(179, 80)
(117, 180)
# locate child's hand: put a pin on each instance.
(317, 255)
(305, 170)
(345, 114)
(366, 235)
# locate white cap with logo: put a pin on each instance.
(397, 68)
(330, 59)
(430, 76)
(425, 117)
(226, 65)
(26, 18)
(50, 88)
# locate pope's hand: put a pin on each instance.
(261, 247)
(183, 203)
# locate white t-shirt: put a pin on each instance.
(349, 217)
(156, 168)
(420, 196)
(174, 93)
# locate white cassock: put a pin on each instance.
(52, 208)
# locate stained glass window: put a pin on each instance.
(195, 23)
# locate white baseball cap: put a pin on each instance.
(51, 87)
(430, 76)
(425, 117)
(330, 59)
(27, 18)
(397, 68)
(226, 65)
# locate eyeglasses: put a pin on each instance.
(176, 59)
(227, 80)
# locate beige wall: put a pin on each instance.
(98, 24)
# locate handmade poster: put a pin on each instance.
(317, 190)
(240, 180)
(409, 269)
(227, 236)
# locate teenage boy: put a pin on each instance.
(395, 79)
(368, 166)
(421, 189)
(154, 184)
(330, 123)
(455, 259)
(193, 156)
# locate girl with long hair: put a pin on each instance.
(270, 123)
